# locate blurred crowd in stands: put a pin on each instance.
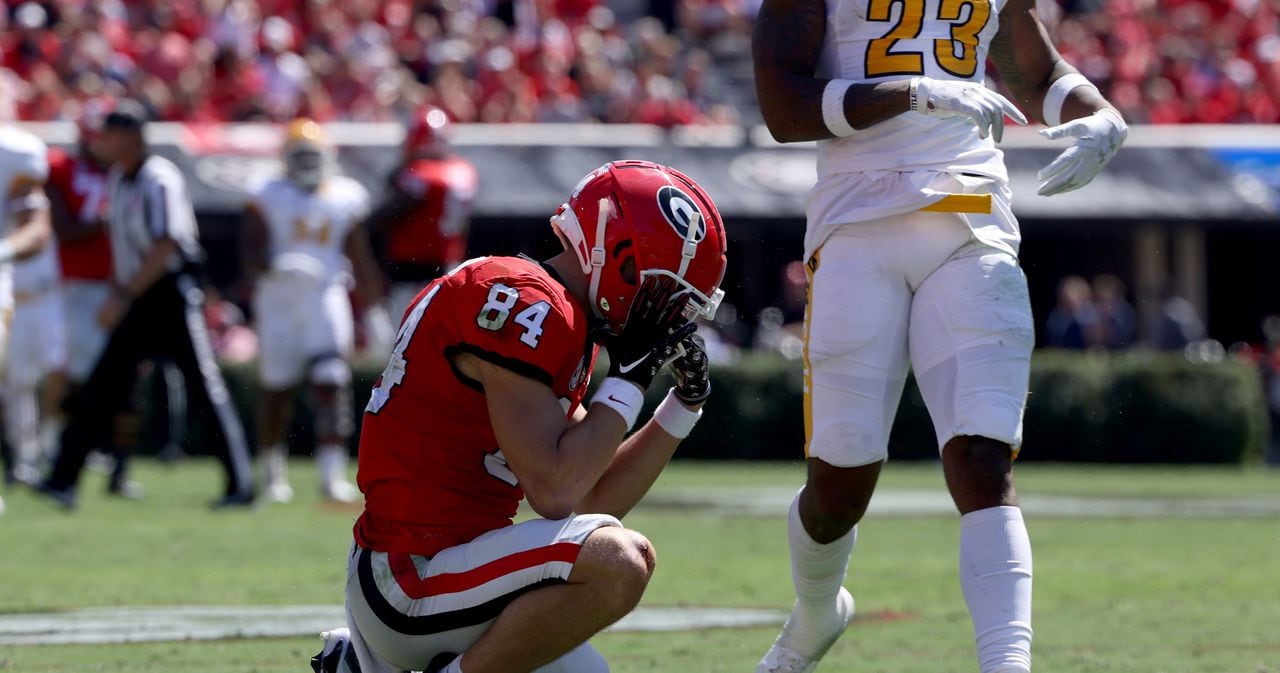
(378, 60)
(664, 62)
(1176, 61)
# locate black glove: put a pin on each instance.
(655, 326)
(692, 371)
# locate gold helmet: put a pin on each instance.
(306, 153)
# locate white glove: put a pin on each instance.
(1099, 137)
(947, 98)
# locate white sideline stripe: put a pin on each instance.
(209, 622)
(775, 500)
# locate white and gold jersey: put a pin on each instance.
(870, 41)
(308, 230)
(23, 160)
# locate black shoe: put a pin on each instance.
(64, 498)
(126, 489)
(237, 499)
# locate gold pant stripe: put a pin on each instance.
(961, 203)
(809, 268)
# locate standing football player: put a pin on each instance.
(423, 220)
(912, 253)
(24, 221)
(304, 237)
(481, 406)
(37, 359)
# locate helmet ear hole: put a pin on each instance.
(628, 271)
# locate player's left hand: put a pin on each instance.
(1098, 137)
(692, 371)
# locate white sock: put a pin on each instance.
(995, 576)
(454, 666)
(275, 464)
(331, 461)
(817, 570)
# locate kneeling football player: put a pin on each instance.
(481, 405)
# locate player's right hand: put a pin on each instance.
(654, 329)
(948, 98)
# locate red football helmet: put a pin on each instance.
(428, 133)
(656, 216)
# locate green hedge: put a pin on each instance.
(1134, 407)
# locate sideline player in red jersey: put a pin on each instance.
(423, 220)
(78, 193)
(481, 405)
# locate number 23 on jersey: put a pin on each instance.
(957, 54)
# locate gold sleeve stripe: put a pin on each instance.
(961, 203)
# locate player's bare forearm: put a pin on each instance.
(368, 280)
(556, 463)
(786, 43)
(1028, 63)
(635, 467)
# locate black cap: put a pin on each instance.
(128, 114)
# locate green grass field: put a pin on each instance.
(1122, 594)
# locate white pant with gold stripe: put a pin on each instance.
(918, 289)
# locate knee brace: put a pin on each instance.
(333, 417)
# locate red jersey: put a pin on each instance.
(430, 467)
(82, 186)
(435, 231)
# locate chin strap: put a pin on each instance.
(598, 254)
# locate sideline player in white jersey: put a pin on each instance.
(303, 240)
(24, 218)
(912, 251)
(37, 356)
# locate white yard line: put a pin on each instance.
(774, 500)
(217, 622)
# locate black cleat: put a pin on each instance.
(237, 499)
(64, 498)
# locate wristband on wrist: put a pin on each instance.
(914, 94)
(622, 396)
(833, 108)
(674, 417)
(1057, 95)
(7, 253)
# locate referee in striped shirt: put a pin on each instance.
(156, 309)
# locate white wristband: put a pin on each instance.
(913, 91)
(1057, 95)
(674, 417)
(833, 108)
(622, 396)
(7, 253)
